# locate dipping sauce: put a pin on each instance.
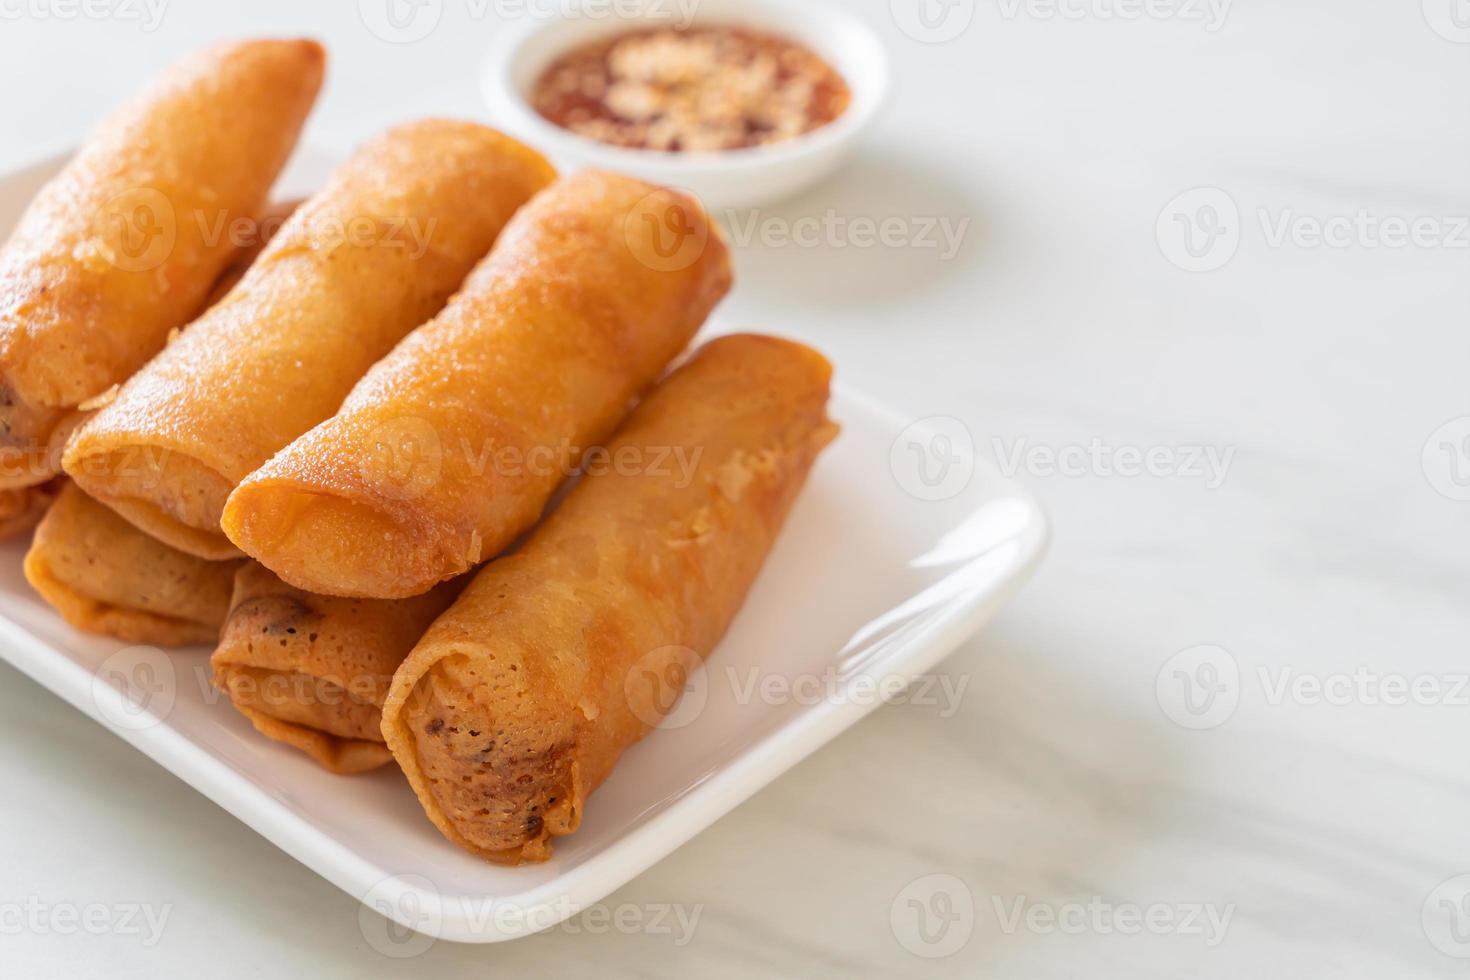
(698, 89)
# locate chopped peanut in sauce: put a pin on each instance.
(698, 89)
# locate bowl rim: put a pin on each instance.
(851, 40)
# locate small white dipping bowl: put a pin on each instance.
(739, 178)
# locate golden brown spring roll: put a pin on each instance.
(312, 671)
(21, 508)
(451, 446)
(373, 255)
(123, 245)
(105, 576)
(519, 699)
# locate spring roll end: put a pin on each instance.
(94, 616)
(370, 551)
(169, 494)
(312, 671)
(500, 786)
(147, 517)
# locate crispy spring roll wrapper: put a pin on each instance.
(376, 253)
(124, 244)
(519, 699)
(21, 508)
(451, 446)
(312, 671)
(105, 576)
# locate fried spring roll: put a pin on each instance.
(123, 245)
(21, 508)
(451, 446)
(105, 576)
(312, 671)
(373, 255)
(519, 699)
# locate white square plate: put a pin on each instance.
(901, 546)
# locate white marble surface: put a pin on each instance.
(1321, 830)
